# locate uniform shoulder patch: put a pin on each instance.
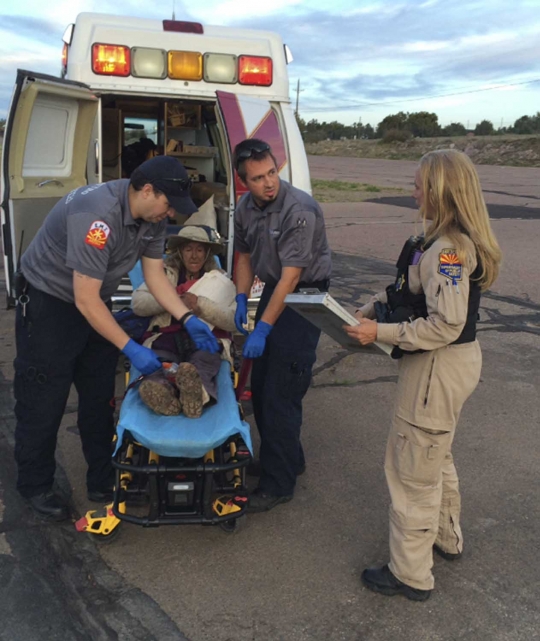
(450, 265)
(98, 234)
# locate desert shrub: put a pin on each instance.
(396, 135)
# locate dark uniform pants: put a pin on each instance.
(279, 381)
(56, 347)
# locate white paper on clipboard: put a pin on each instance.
(329, 316)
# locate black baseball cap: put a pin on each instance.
(168, 175)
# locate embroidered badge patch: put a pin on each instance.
(450, 265)
(98, 234)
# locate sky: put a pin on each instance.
(465, 60)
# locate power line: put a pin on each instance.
(393, 102)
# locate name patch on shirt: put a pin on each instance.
(98, 234)
(450, 265)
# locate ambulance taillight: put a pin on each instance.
(64, 60)
(67, 37)
(111, 60)
(255, 70)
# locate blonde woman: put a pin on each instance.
(429, 315)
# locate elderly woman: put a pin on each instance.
(429, 316)
(193, 384)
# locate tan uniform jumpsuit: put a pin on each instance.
(431, 389)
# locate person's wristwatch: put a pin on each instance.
(182, 320)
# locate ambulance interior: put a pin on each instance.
(135, 129)
(61, 136)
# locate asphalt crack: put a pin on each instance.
(362, 383)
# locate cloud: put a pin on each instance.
(29, 27)
(407, 51)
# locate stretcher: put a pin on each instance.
(173, 470)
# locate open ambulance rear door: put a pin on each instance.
(45, 153)
(244, 116)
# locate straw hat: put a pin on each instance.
(196, 233)
(200, 228)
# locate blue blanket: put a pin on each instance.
(181, 436)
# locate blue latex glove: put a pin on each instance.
(201, 335)
(254, 346)
(240, 316)
(142, 358)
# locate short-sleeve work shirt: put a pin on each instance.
(90, 230)
(288, 232)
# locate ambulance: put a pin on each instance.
(131, 87)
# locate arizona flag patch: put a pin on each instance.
(450, 265)
(98, 234)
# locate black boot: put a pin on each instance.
(101, 496)
(381, 580)
(448, 556)
(50, 506)
(259, 501)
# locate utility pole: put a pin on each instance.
(297, 97)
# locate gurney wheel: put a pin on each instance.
(104, 539)
(234, 525)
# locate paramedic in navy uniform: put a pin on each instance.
(66, 334)
(281, 238)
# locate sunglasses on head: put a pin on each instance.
(248, 152)
(184, 183)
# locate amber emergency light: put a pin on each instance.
(255, 70)
(111, 60)
(185, 65)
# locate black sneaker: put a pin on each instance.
(49, 506)
(254, 468)
(448, 556)
(98, 496)
(381, 580)
(259, 501)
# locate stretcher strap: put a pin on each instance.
(243, 377)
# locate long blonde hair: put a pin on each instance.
(454, 204)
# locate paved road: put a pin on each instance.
(293, 574)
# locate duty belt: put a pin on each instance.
(321, 285)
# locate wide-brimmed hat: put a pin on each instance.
(168, 175)
(196, 233)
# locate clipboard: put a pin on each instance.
(329, 316)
